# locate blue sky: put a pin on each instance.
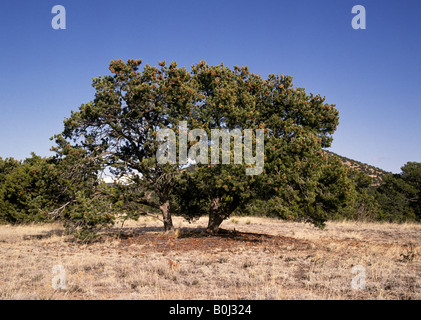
(372, 75)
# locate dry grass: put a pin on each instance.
(264, 259)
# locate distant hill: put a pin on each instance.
(374, 172)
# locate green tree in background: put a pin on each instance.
(400, 194)
(24, 189)
(363, 205)
(65, 187)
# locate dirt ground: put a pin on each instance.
(255, 258)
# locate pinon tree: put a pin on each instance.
(299, 180)
(83, 202)
(400, 194)
(22, 187)
(119, 127)
(65, 187)
(217, 185)
(296, 179)
(362, 206)
(40, 189)
(411, 173)
(29, 189)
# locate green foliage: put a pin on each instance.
(314, 190)
(64, 187)
(84, 203)
(411, 174)
(119, 127)
(26, 189)
(87, 214)
(400, 194)
(363, 205)
(296, 126)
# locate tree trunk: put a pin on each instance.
(215, 219)
(166, 214)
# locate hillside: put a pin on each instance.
(374, 172)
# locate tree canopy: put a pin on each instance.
(212, 140)
(120, 127)
(400, 194)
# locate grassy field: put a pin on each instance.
(262, 259)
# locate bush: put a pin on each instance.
(64, 188)
(400, 194)
(26, 189)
